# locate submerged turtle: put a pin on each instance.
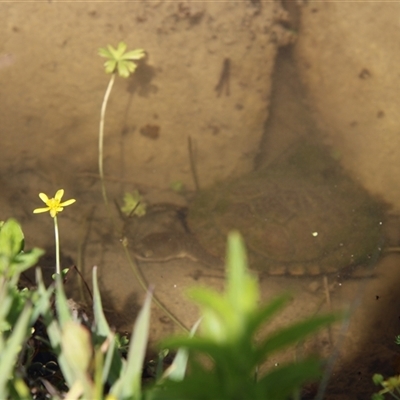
(300, 216)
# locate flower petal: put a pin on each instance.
(53, 212)
(41, 210)
(59, 194)
(44, 197)
(67, 202)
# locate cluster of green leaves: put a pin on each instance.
(230, 322)
(389, 386)
(88, 356)
(119, 60)
(93, 367)
(134, 204)
(18, 309)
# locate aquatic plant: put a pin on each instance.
(54, 206)
(121, 62)
(134, 204)
(88, 357)
(390, 386)
(87, 352)
(19, 309)
(229, 323)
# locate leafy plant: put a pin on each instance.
(389, 386)
(88, 357)
(177, 186)
(88, 353)
(229, 325)
(18, 309)
(134, 204)
(121, 62)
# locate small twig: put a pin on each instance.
(65, 280)
(84, 282)
(192, 161)
(224, 79)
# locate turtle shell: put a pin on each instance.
(300, 216)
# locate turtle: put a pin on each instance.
(301, 215)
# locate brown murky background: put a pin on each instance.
(52, 85)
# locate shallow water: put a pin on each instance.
(363, 346)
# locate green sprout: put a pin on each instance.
(121, 62)
(177, 186)
(390, 386)
(229, 336)
(134, 204)
(54, 206)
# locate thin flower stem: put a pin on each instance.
(101, 137)
(58, 269)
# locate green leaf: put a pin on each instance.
(25, 260)
(134, 54)
(230, 339)
(282, 381)
(134, 204)
(129, 385)
(266, 312)
(77, 347)
(292, 334)
(6, 302)
(11, 239)
(63, 311)
(19, 299)
(101, 326)
(12, 347)
(377, 379)
(176, 371)
(220, 321)
(177, 186)
(102, 331)
(110, 66)
(242, 288)
(123, 69)
(13, 261)
(42, 304)
(105, 53)
(202, 345)
(113, 363)
(119, 60)
(117, 53)
(22, 389)
(53, 328)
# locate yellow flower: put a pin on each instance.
(54, 204)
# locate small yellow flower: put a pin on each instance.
(54, 205)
